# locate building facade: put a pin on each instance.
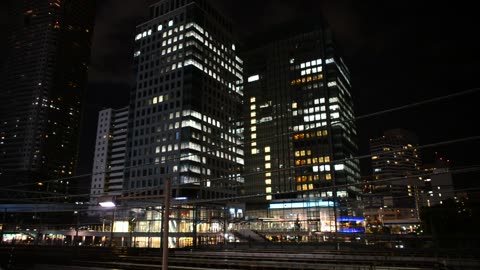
(300, 140)
(438, 181)
(109, 156)
(42, 85)
(185, 110)
(395, 159)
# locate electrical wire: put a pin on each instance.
(465, 92)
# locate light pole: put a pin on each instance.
(111, 227)
(166, 214)
(109, 203)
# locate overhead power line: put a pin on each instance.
(403, 107)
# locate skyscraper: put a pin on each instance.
(185, 109)
(43, 79)
(300, 140)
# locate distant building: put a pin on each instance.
(299, 140)
(439, 185)
(397, 199)
(109, 157)
(42, 83)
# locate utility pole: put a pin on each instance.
(77, 225)
(4, 224)
(166, 214)
(111, 227)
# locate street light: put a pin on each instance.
(166, 215)
(109, 202)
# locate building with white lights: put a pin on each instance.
(185, 110)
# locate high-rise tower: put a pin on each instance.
(185, 110)
(300, 137)
(42, 82)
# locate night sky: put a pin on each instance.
(398, 52)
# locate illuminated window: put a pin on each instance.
(252, 107)
(252, 99)
(253, 114)
(268, 165)
(268, 181)
(254, 135)
(328, 176)
(267, 157)
(294, 105)
(267, 149)
(268, 190)
(254, 128)
(268, 197)
(170, 23)
(254, 144)
(253, 78)
(268, 174)
(254, 151)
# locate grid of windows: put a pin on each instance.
(186, 105)
(298, 98)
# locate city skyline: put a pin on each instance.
(344, 127)
(413, 59)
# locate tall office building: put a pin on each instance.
(42, 82)
(396, 160)
(109, 156)
(300, 142)
(185, 110)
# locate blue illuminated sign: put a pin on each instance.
(352, 230)
(301, 204)
(350, 219)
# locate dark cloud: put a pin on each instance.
(112, 49)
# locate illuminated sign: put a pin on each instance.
(301, 204)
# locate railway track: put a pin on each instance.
(247, 259)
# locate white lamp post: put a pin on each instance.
(108, 202)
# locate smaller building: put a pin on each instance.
(393, 196)
(439, 184)
(109, 155)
